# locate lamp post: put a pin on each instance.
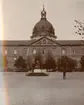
(64, 66)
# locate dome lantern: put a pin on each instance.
(43, 13)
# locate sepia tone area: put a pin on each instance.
(46, 67)
(51, 90)
(19, 17)
(42, 43)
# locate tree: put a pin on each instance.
(80, 28)
(66, 63)
(20, 63)
(50, 62)
(29, 62)
(72, 64)
(61, 63)
(82, 63)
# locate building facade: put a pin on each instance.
(43, 41)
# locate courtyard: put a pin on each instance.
(47, 90)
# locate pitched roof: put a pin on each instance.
(16, 42)
(29, 42)
(70, 42)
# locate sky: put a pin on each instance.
(20, 16)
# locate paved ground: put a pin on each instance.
(49, 90)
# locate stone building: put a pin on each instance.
(43, 40)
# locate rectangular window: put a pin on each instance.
(15, 58)
(63, 51)
(82, 50)
(27, 51)
(15, 51)
(34, 51)
(73, 51)
(77, 50)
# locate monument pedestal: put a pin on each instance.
(37, 66)
(37, 71)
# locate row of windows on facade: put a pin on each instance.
(34, 51)
(27, 51)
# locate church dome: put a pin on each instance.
(43, 27)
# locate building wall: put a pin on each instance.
(72, 51)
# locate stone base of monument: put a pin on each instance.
(37, 73)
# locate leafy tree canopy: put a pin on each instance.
(20, 63)
(82, 62)
(50, 62)
(66, 62)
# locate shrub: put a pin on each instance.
(29, 62)
(50, 62)
(82, 63)
(20, 64)
(66, 63)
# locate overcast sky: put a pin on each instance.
(20, 16)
